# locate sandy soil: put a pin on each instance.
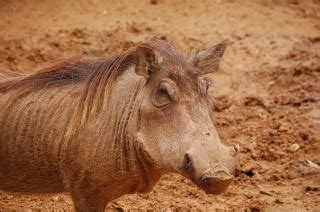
(267, 94)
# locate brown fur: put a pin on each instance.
(87, 126)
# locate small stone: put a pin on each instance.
(278, 201)
(9, 197)
(294, 148)
(284, 127)
(58, 198)
(104, 12)
(312, 164)
(265, 192)
(249, 195)
(248, 169)
(263, 168)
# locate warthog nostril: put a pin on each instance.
(188, 166)
(187, 163)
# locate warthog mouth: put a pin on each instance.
(215, 181)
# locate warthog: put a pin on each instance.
(100, 128)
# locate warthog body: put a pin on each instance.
(105, 127)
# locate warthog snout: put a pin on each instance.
(216, 181)
(212, 177)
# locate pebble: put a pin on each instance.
(263, 168)
(279, 201)
(58, 198)
(312, 164)
(265, 192)
(9, 197)
(294, 148)
(249, 195)
(247, 168)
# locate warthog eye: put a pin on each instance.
(165, 94)
(163, 89)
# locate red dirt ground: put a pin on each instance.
(267, 93)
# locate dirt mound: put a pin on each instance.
(266, 95)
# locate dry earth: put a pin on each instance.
(267, 94)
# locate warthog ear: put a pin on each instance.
(208, 60)
(147, 61)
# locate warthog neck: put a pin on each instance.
(107, 143)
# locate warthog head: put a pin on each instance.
(176, 119)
